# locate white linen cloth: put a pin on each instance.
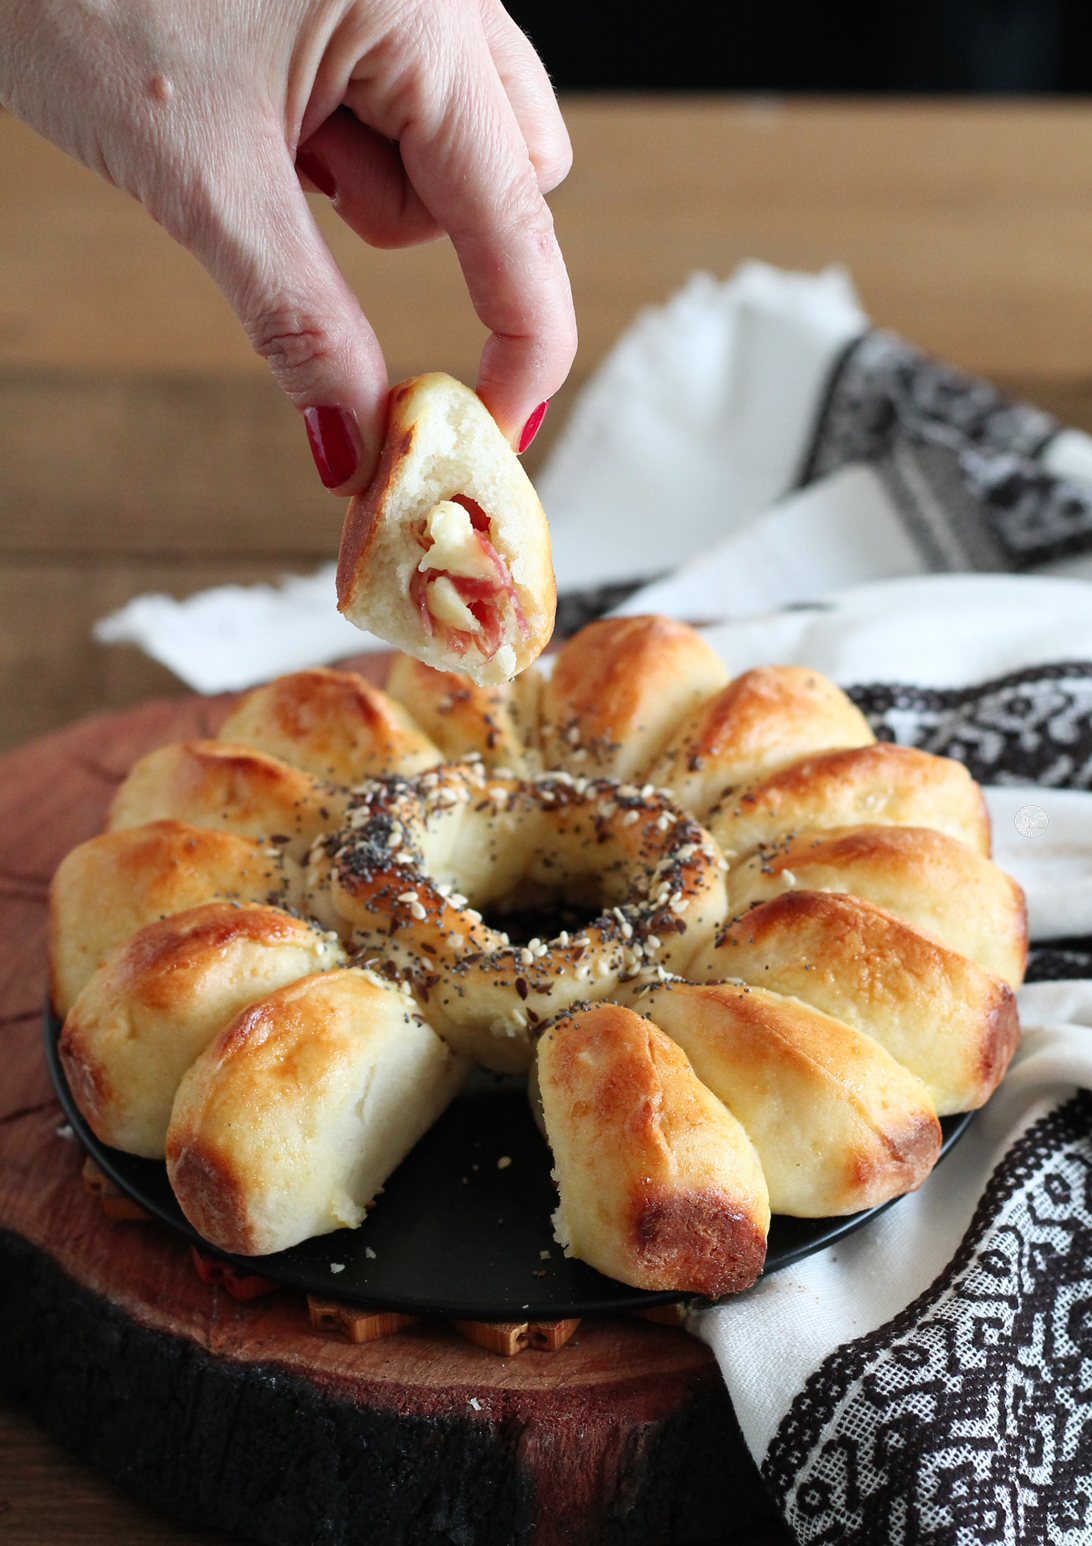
(927, 1378)
(755, 439)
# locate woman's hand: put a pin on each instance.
(416, 117)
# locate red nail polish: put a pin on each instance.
(531, 428)
(335, 443)
(311, 166)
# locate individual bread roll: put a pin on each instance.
(288, 1124)
(447, 553)
(500, 723)
(938, 1014)
(159, 999)
(112, 885)
(659, 1185)
(232, 788)
(881, 785)
(838, 1125)
(934, 882)
(766, 718)
(619, 689)
(332, 724)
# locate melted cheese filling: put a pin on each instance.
(447, 606)
(455, 548)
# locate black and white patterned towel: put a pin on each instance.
(928, 1380)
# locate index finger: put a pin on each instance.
(464, 152)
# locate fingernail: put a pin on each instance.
(320, 174)
(335, 443)
(531, 428)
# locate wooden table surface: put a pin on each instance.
(142, 447)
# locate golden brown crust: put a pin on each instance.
(291, 1119)
(619, 689)
(441, 445)
(936, 883)
(499, 722)
(160, 998)
(837, 1123)
(332, 724)
(880, 784)
(112, 885)
(659, 1185)
(764, 719)
(231, 788)
(945, 1019)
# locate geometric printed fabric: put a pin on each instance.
(968, 1418)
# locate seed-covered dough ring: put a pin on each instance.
(114, 884)
(420, 858)
(159, 999)
(231, 788)
(332, 724)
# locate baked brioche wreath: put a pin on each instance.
(778, 950)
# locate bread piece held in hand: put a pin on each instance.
(447, 554)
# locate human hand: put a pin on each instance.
(417, 117)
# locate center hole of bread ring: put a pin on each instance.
(461, 585)
(429, 873)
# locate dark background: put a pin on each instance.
(989, 46)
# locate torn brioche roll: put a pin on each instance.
(232, 788)
(764, 719)
(332, 724)
(160, 998)
(447, 553)
(114, 884)
(940, 1015)
(933, 881)
(882, 785)
(659, 1185)
(619, 689)
(288, 1124)
(837, 1124)
(499, 723)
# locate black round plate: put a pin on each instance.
(462, 1228)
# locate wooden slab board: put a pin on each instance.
(240, 1414)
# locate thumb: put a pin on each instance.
(261, 245)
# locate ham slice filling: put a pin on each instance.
(481, 597)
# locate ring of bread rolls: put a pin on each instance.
(797, 1002)
(388, 881)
